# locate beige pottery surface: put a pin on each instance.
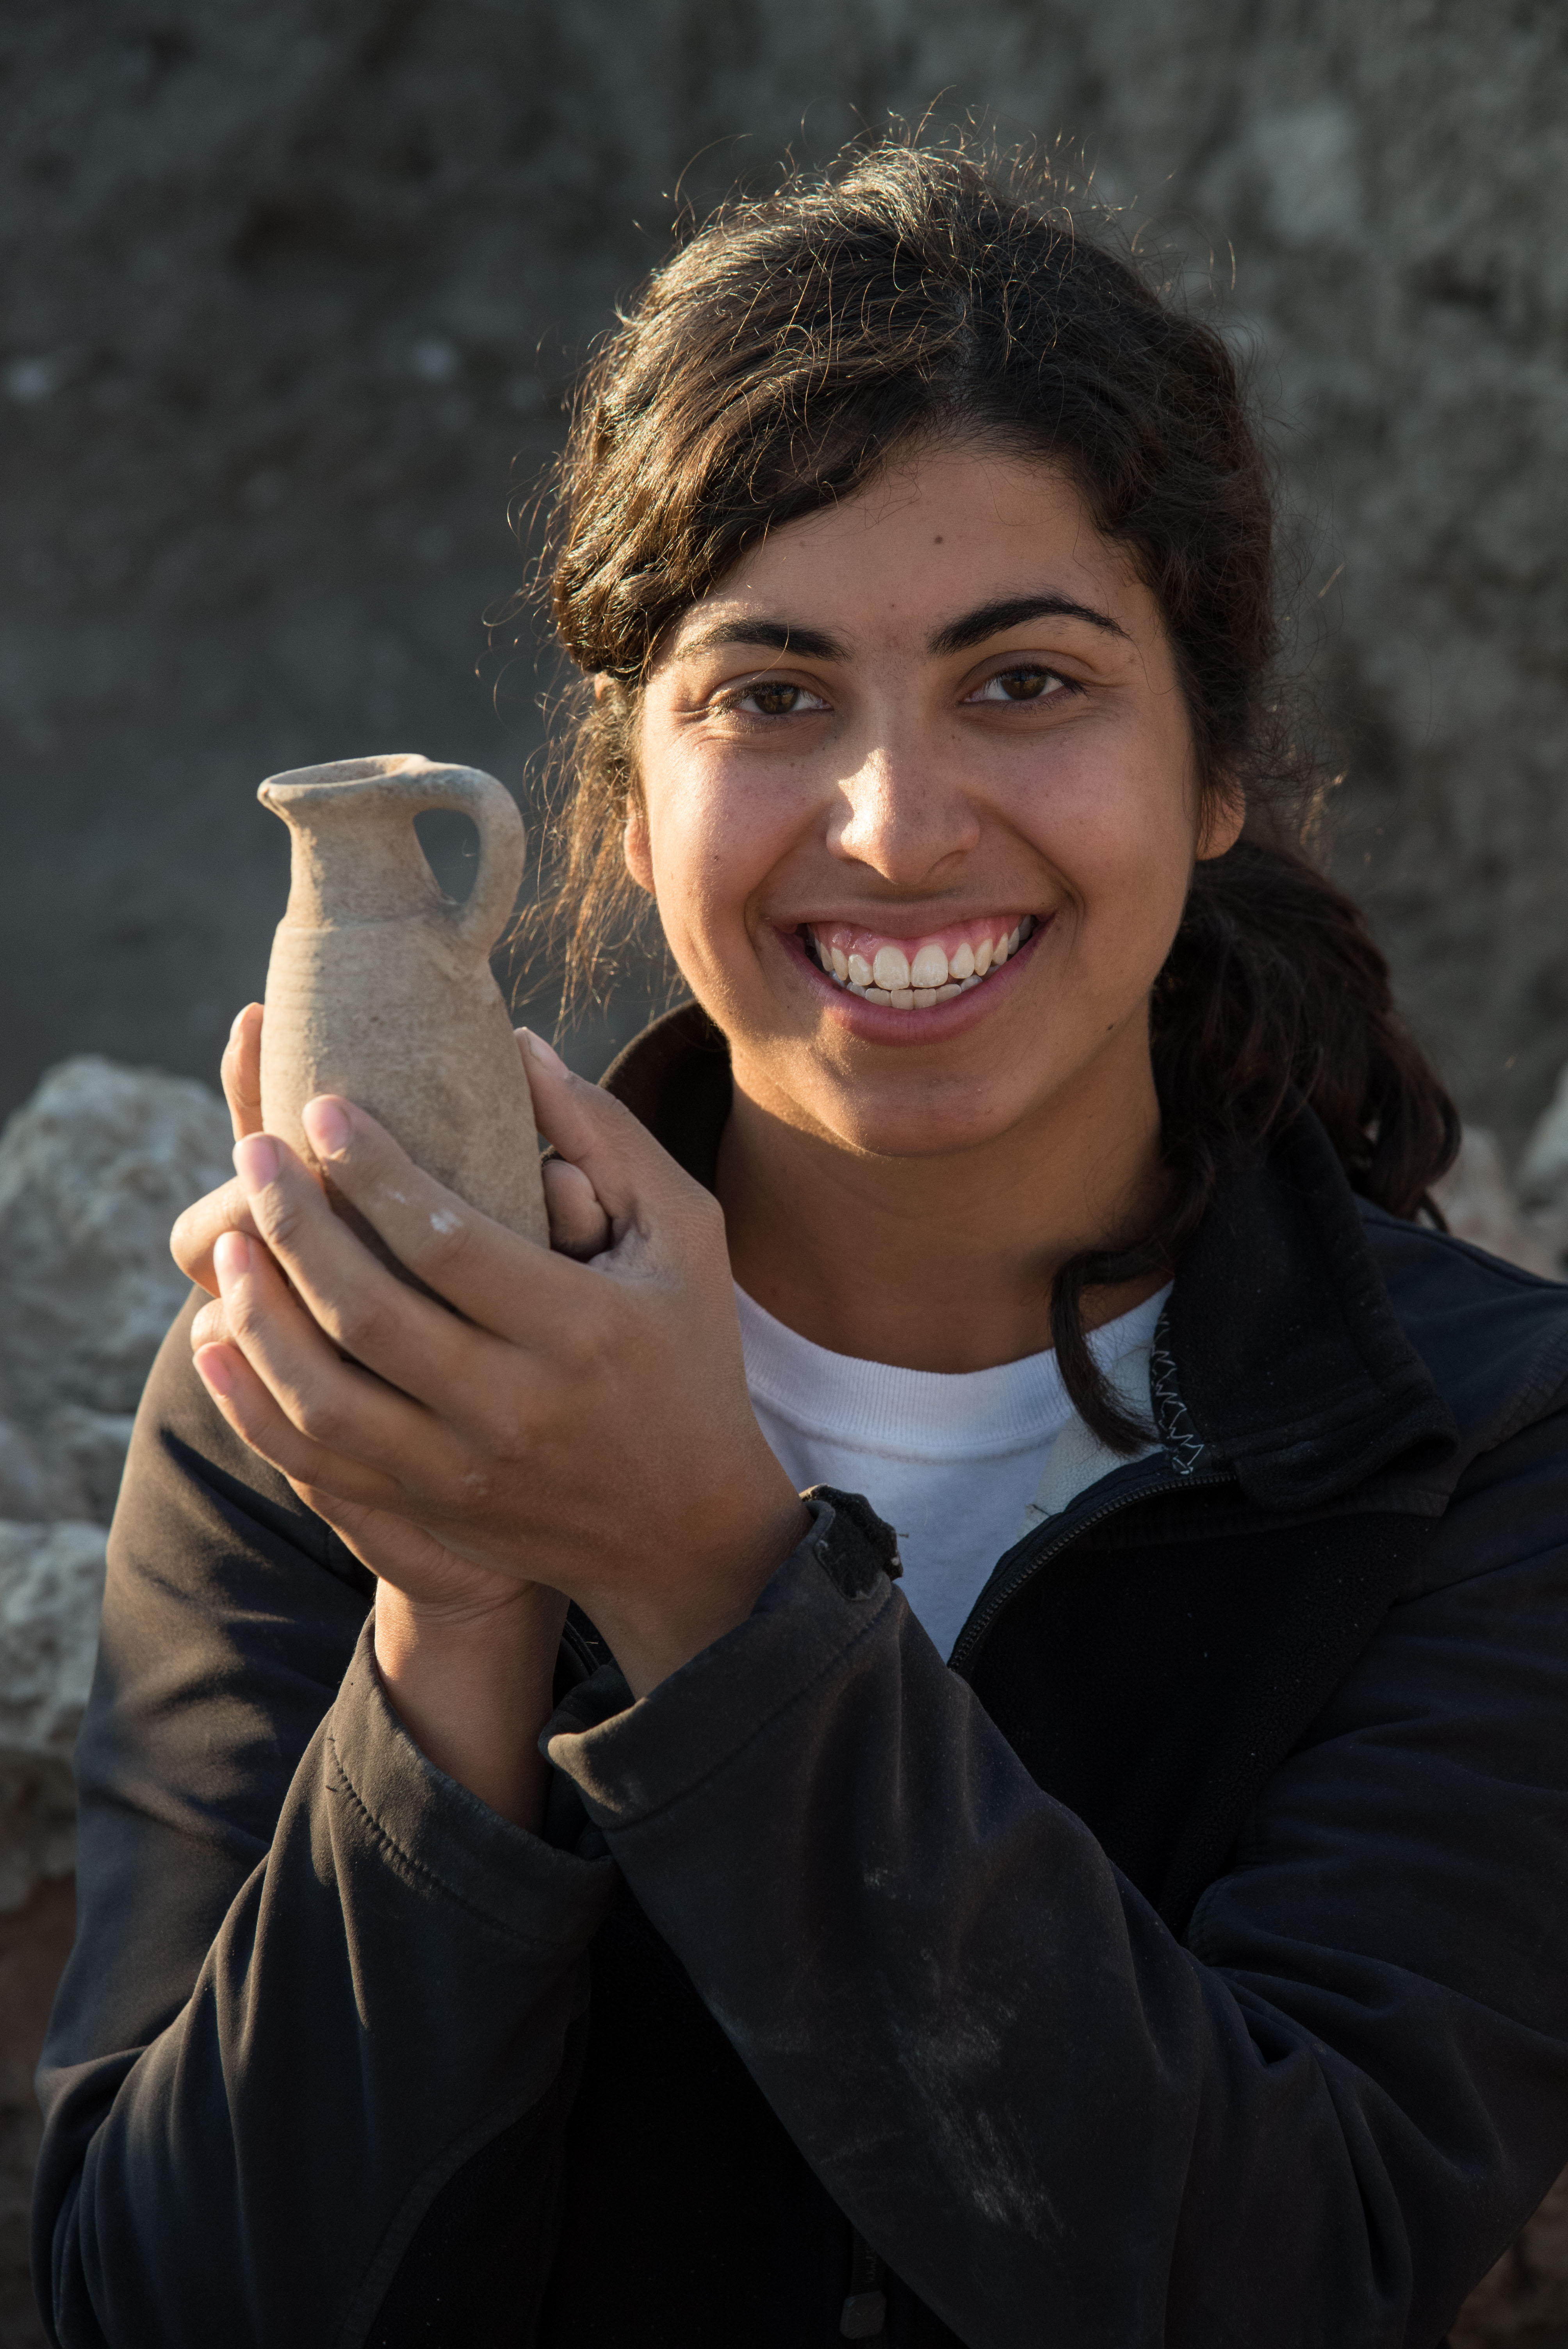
(379, 986)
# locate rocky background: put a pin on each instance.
(293, 289)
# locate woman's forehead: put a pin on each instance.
(929, 542)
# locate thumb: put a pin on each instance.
(242, 1072)
(634, 1177)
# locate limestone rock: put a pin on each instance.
(86, 1454)
(28, 1486)
(1478, 1203)
(93, 1170)
(69, 1466)
(51, 1588)
(1543, 1167)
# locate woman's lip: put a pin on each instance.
(882, 1023)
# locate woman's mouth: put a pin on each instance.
(916, 974)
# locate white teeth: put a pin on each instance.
(932, 977)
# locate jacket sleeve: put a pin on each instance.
(316, 1985)
(1315, 2121)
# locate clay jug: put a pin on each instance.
(379, 985)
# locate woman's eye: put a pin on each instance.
(1028, 684)
(772, 699)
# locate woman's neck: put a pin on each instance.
(943, 1262)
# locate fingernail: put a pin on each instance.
(257, 1161)
(214, 1368)
(231, 1257)
(327, 1126)
(539, 1050)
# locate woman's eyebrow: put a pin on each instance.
(778, 635)
(1011, 612)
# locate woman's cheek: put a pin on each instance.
(701, 898)
(1128, 880)
(714, 843)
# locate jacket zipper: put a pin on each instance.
(1038, 1549)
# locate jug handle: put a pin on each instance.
(478, 922)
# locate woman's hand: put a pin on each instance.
(584, 1427)
(578, 1224)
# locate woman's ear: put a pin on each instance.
(635, 849)
(1224, 816)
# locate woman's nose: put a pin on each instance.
(901, 817)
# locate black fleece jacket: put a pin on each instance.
(1185, 1963)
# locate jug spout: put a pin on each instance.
(355, 854)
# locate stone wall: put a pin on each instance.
(293, 281)
(93, 1170)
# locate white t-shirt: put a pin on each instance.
(961, 1464)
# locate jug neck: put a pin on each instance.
(355, 861)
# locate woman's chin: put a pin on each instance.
(911, 1124)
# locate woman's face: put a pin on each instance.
(928, 744)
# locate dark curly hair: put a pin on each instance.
(912, 294)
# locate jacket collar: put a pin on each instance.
(1289, 1363)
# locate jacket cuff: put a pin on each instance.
(629, 1759)
(541, 1893)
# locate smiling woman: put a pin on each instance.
(1003, 514)
(929, 768)
(942, 1723)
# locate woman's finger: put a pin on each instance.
(191, 1241)
(636, 1182)
(253, 1413)
(350, 1432)
(399, 1551)
(499, 1282)
(226, 1210)
(659, 1218)
(410, 1341)
(210, 1326)
(242, 1072)
(578, 1224)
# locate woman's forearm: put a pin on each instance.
(471, 1683)
(392, 1990)
(1048, 2115)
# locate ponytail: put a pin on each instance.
(1274, 994)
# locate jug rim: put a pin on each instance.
(336, 778)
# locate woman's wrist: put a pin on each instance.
(473, 1683)
(653, 1632)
